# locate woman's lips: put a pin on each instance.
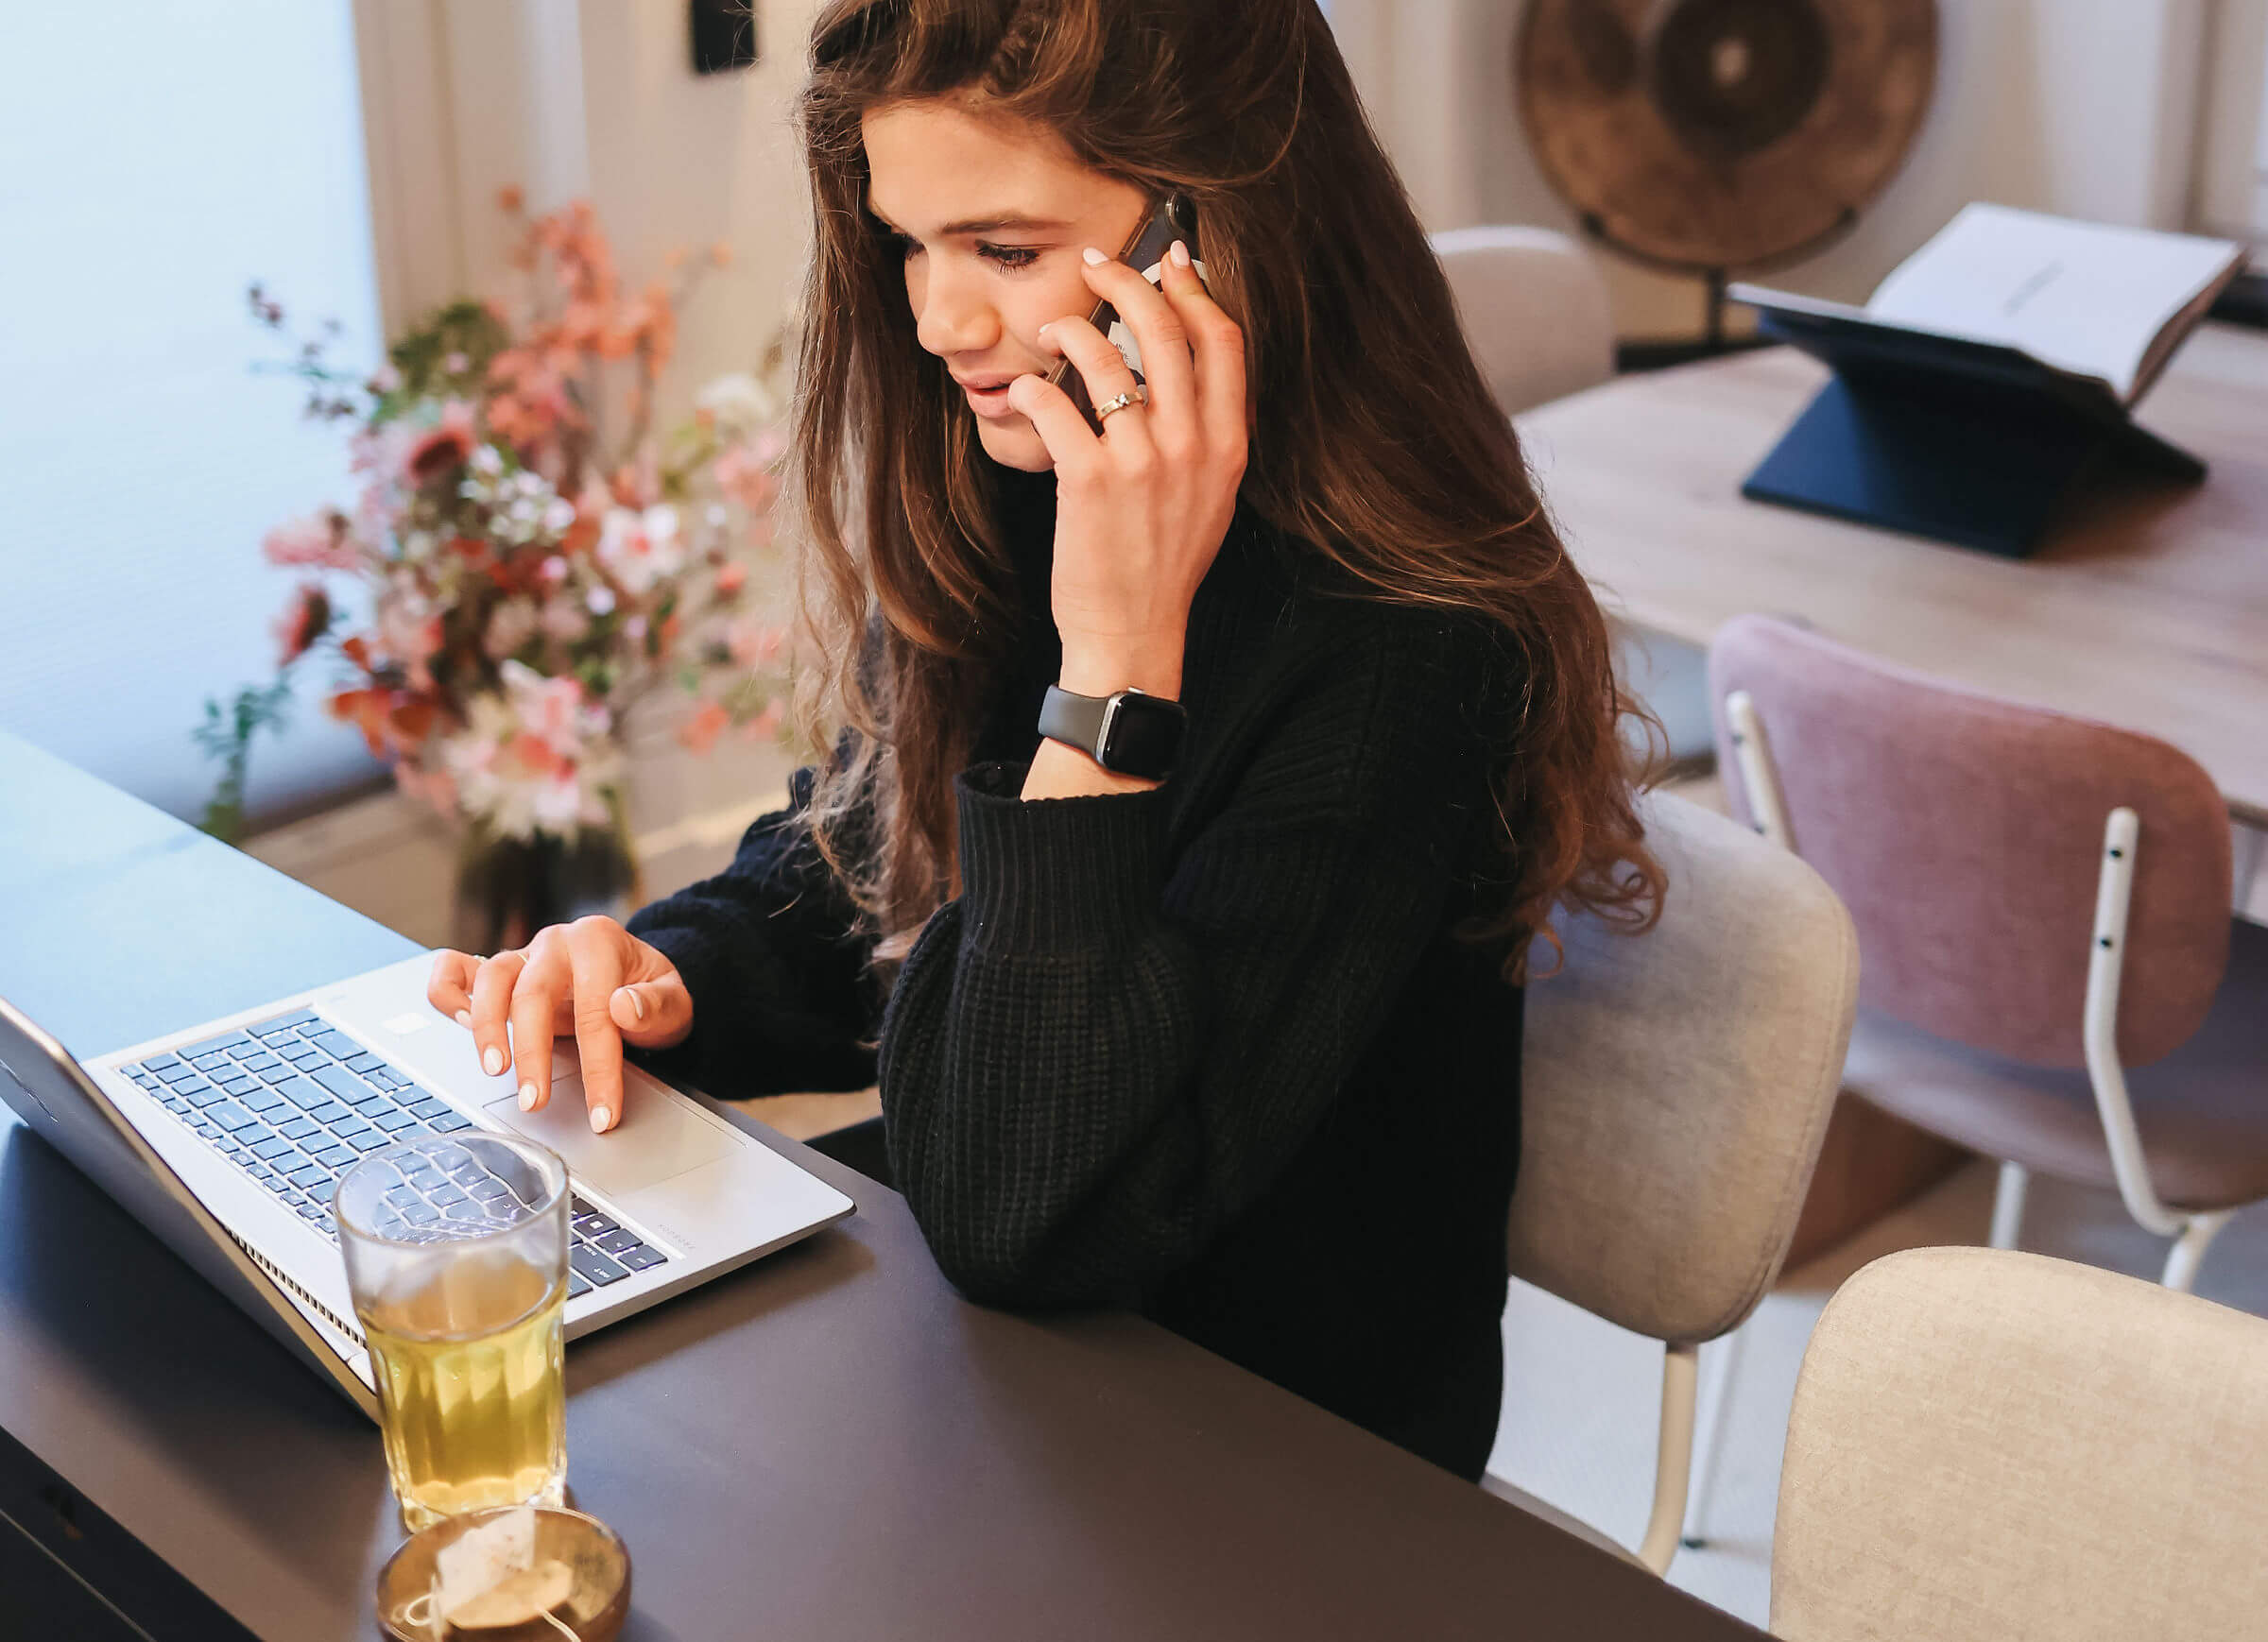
(991, 401)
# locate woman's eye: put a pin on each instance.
(908, 247)
(1008, 256)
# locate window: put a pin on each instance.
(161, 157)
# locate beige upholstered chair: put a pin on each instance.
(1989, 1446)
(1674, 1089)
(2052, 978)
(1535, 309)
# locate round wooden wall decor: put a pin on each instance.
(1712, 134)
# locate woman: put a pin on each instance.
(1240, 1045)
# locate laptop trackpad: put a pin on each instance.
(657, 1138)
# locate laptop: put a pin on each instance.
(227, 1139)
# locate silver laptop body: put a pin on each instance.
(224, 1140)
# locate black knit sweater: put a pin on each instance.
(1211, 1052)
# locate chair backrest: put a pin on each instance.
(1992, 1444)
(1964, 833)
(1535, 308)
(1675, 1084)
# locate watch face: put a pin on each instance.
(1143, 736)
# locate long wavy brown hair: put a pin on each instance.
(1374, 442)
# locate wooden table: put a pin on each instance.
(830, 1444)
(2148, 607)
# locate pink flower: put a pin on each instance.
(754, 643)
(443, 447)
(435, 787)
(319, 540)
(745, 476)
(701, 731)
(305, 620)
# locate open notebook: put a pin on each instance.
(2105, 304)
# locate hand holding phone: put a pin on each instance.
(1172, 219)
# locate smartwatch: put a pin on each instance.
(1129, 734)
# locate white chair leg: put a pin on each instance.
(2188, 1249)
(2009, 1205)
(1709, 1439)
(1672, 1466)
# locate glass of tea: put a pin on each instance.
(456, 1257)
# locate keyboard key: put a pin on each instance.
(175, 1071)
(420, 1214)
(366, 1139)
(250, 1048)
(577, 1284)
(365, 1063)
(489, 1189)
(231, 1117)
(303, 1094)
(452, 1122)
(260, 1098)
(331, 1112)
(638, 1256)
(386, 1078)
(256, 1133)
(273, 1147)
(263, 1173)
(621, 1238)
(444, 1195)
(342, 1083)
(229, 1147)
(353, 1127)
(309, 1211)
(593, 1224)
(302, 1055)
(208, 1064)
(394, 1122)
(596, 1267)
(431, 1107)
(309, 1175)
(221, 1044)
(465, 1210)
(176, 1103)
(157, 1063)
(261, 1063)
(298, 1128)
(337, 1044)
(282, 1024)
(239, 1081)
(337, 1156)
(200, 1094)
(207, 1130)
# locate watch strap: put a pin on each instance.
(1090, 724)
(1075, 720)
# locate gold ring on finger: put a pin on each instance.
(1110, 407)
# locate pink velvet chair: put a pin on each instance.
(2050, 971)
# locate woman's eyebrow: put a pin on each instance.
(1010, 221)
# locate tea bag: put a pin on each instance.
(489, 1581)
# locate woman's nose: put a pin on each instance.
(952, 316)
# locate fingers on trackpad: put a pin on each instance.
(658, 1136)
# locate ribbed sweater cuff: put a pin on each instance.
(1055, 875)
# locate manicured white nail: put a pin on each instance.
(637, 1003)
(527, 1097)
(600, 1118)
(1095, 257)
(491, 1060)
(464, 1018)
(1180, 252)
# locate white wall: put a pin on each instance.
(152, 170)
(2084, 107)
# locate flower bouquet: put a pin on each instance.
(526, 578)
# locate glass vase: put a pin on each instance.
(509, 888)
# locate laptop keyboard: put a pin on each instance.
(294, 1102)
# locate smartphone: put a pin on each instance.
(1173, 219)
